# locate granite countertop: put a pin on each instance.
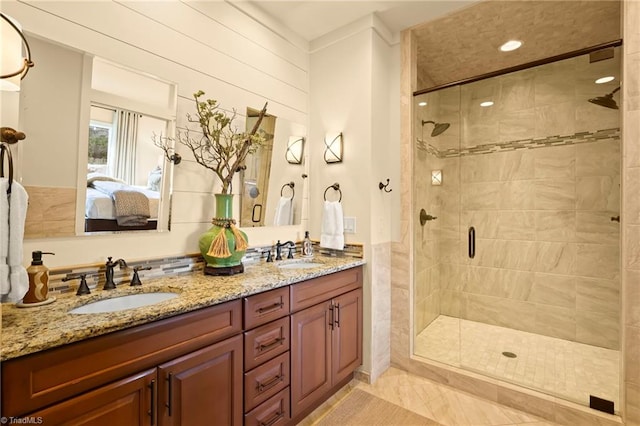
(28, 330)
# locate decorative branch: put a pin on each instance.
(217, 145)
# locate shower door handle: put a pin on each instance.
(472, 242)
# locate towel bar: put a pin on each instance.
(336, 187)
(290, 185)
(5, 148)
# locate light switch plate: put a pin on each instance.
(349, 225)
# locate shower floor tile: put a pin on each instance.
(562, 368)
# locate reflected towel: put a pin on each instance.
(332, 233)
(5, 287)
(18, 278)
(284, 212)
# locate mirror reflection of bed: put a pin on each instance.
(124, 172)
(113, 205)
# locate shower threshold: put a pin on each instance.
(562, 368)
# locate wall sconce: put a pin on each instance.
(13, 66)
(295, 149)
(333, 147)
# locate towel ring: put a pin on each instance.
(290, 185)
(336, 187)
(5, 148)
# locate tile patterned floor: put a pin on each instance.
(435, 401)
(565, 369)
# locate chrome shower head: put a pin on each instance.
(438, 128)
(607, 100)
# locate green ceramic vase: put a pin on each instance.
(222, 265)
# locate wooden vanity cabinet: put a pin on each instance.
(298, 345)
(124, 402)
(267, 358)
(99, 379)
(189, 390)
(203, 387)
(326, 338)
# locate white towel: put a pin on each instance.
(332, 233)
(18, 278)
(5, 287)
(284, 212)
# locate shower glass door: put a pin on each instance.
(436, 239)
(520, 276)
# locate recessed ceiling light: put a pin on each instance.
(486, 104)
(423, 103)
(607, 79)
(511, 45)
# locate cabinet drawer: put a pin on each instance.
(273, 412)
(46, 377)
(265, 381)
(318, 290)
(263, 343)
(264, 307)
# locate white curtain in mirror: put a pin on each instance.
(125, 150)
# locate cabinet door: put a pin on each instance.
(310, 356)
(202, 388)
(124, 402)
(347, 335)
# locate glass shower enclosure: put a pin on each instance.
(517, 237)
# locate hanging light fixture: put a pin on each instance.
(13, 65)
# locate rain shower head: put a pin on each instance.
(438, 128)
(606, 100)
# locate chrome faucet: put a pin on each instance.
(279, 246)
(109, 267)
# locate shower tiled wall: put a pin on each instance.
(631, 212)
(538, 176)
(547, 250)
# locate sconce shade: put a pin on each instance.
(333, 147)
(295, 150)
(13, 65)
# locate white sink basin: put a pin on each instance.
(122, 303)
(300, 265)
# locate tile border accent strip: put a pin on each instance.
(534, 143)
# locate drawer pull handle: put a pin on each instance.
(337, 311)
(273, 307)
(270, 383)
(268, 346)
(152, 412)
(170, 388)
(275, 418)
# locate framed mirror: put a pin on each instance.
(271, 187)
(90, 164)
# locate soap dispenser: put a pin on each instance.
(307, 245)
(38, 281)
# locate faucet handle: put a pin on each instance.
(83, 288)
(269, 258)
(290, 255)
(135, 280)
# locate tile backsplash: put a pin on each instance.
(168, 266)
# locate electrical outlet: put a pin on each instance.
(349, 225)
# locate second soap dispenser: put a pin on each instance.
(307, 245)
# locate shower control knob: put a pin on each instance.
(424, 217)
